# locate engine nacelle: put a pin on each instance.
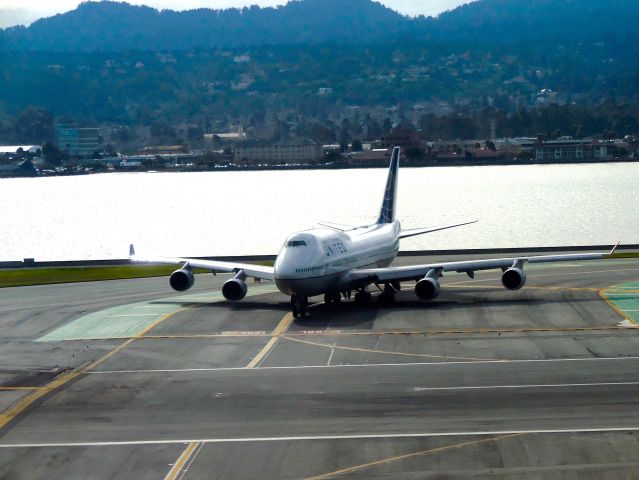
(181, 280)
(427, 288)
(234, 289)
(513, 278)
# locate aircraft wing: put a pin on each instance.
(251, 270)
(416, 272)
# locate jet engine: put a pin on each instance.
(427, 288)
(513, 278)
(182, 280)
(235, 288)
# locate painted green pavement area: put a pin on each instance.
(127, 321)
(625, 298)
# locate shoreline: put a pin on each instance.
(336, 166)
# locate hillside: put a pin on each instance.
(323, 60)
(118, 26)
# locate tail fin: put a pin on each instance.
(387, 212)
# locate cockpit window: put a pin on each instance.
(296, 243)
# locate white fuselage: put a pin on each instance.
(318, 261)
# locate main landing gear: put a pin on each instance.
(299, 305)
(334, 297)
(387, 296)
(363, 297)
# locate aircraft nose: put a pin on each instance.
(283, 269)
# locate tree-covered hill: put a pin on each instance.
(113, 63)
(118, 26)
(508, 21)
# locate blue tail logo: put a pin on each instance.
(387, 212)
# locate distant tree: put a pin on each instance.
(374, 129)
(122, 134)
(387, 126)
(163, 133)
(344, 137)
(414, 153)
(109, 150)
(194, 133)
(53, 155)
(34, 125)
(333, 156)
(490, 145)
(356, 146)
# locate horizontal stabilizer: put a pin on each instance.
(421, 231)
(336, 226)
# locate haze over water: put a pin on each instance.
(243, 213)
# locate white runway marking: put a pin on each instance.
(361, 436)
(363, 365)
(543, 385)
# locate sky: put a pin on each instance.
(25, 11)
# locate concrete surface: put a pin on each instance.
(481, 382)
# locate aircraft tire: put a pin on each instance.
(387, 298)
(363, 298)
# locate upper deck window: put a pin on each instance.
(296, 243)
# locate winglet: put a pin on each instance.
(131, 250)
(614, 248)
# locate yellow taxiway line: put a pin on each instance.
(384, 461)
(182, 460)
(277, 332)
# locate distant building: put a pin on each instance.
(378, 157)
(400, 137)
(565, 150)
(215, 140)
(77, 142)
(281, 152)
(472, 155)
(452, 146)
(516, 145)
(162, 150)
(9, 149)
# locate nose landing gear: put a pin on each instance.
(299, 305)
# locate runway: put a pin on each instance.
(127, 379)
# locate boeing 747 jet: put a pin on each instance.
(336, 260)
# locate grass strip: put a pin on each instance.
(20, 277)
(41, 276)
(625, 255)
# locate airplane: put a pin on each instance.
(334, 260)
